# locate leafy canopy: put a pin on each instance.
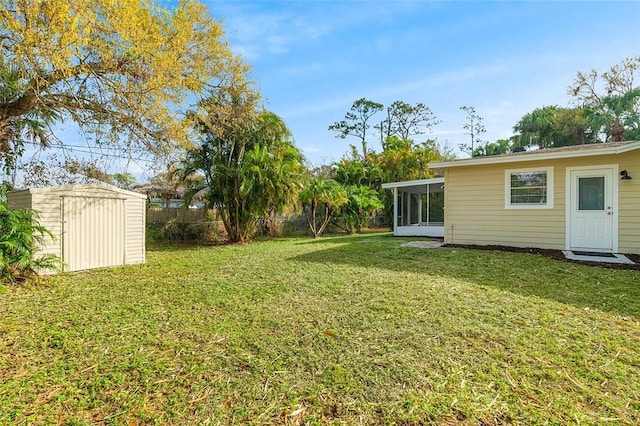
(119, 69)
(251, 168)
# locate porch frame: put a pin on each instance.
(411, 189)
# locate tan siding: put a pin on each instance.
(475, 212)
(629, 205)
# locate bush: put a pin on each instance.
(20, 235)
(194, 232)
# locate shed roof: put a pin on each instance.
(544, 154)
(89, 187)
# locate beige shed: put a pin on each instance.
(94, 225)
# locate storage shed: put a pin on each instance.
(94, 225)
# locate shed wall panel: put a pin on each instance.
(135, 220)
(94, 232)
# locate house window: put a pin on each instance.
(529, 188)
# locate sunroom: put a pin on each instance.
(418, 207)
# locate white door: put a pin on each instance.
(592, 204)
(93, 232)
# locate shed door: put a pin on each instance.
(93, 232)
(592, 202)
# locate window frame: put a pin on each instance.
(523, 206)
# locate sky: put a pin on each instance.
(311, 60)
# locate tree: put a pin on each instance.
(589, 88)
(571, 126)
(611, 99)
(473, 126)
(536, 127)
(501, 146)
(123, 180)
(120, 70)
(53, 171)
(320, 200)
(275, 174)
(356, 122)
(402, 160)
(353, 171)
(362, 203)
(30, 127)
(617, 116)
(251, 167)
(405, 120)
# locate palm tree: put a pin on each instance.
(618, 117)
(16, 130)
(536, 127)
(251, 169)
(320, 199)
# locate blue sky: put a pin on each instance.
(312, 59)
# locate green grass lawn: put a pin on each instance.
(342, 330)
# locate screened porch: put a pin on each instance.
(418, 207)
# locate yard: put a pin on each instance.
(341, 330)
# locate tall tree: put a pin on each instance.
(611, 98)
(572, 126)
(30, 127)
(402, 159)
(536, 127)
(405, 120)
(473, 126)
(617, 116)
(320, 200)
(501, 146)
(120, 70)
(250, 165)
(362, 203)
(356, 122)
(590, 87)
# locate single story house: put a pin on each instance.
(93, 225)
(578, 198)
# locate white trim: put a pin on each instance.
(419, 231)
(614, 202)
(395, 211)
(543, 154)
(507, 189)
(419, 182)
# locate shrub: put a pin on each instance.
(20, 235)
